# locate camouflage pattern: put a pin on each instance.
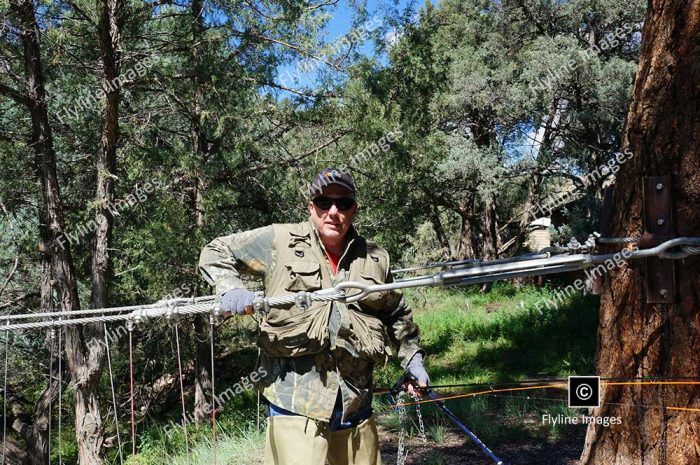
(291, 258)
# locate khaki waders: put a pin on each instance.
(297, 440)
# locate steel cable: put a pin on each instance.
(4, 399)
(531, 265)
(131, 392)
(213, 390)
(60, 395)
(114, 396)
(51, 347)
(182, 392)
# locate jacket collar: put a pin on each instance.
(349, 238)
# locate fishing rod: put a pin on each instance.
(407, 378)
(441, 405)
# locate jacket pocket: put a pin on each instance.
(368, 337)
(375, 300)
(303, 276)
(299, 334)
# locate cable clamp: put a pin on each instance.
(303, 300)
(260, 304)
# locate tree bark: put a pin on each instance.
(526, 216)
(440, 231)
(489, 233)
(466, 245)
(202, 392)
(489, 230)
(89, 424)
(636, 339)
(14, 453)
(62, 286)
(58, 277)
(200, 149)
(109, 32)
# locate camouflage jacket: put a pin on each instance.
(309, 354)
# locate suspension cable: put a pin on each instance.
(50, 388)
(617, 240)
(536, 381)
(182, 392)
(350, 291)
(140, 314)
(60, 395)
(114, 395)
(213, 390)
(100, 311)
(131, 389)
(4, 399)
(564, 401)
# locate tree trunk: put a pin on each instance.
(489, 230)
(37, 436)
(57, 264)
(89, 424)
(529, 211)
(110, 40)
(200, 147)
(466, 246)
(544, 139)
(14, 454)
(440, 231)
(636, 339)
(202, 392)
(63, 286)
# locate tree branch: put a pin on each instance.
(296, 48)
(14, 94)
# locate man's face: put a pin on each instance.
(333, 224)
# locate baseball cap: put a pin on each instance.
(332, 176)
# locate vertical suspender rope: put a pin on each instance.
(114, 396)
(60, 394)
(182, 392)
(51, 347)
(130, 327)
(213, 390)
(8, 334)
(257, 415)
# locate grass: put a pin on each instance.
(244, 445)
(238, 440)
(436, 460)
(503, 336)
(437, 428)
(557, 432)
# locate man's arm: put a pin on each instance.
(224, 259)
(398, 319)
(405, 334)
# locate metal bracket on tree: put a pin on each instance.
(659, 226)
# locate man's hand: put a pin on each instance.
(417, 371)
(236, 301)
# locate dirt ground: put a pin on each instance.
(458, 449)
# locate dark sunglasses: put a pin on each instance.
(325, 203)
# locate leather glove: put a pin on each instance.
(236, 300)
(416, 369)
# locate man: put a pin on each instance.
(319, 360)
